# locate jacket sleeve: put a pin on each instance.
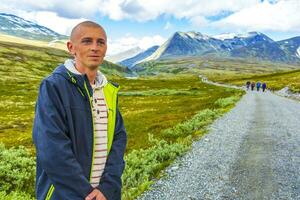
(53, 146)
(111, 183)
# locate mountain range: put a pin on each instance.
(252, 45)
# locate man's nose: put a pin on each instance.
(95, 46)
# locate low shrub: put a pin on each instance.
(17, 172)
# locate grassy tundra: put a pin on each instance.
(233, 71)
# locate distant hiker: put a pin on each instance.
(252, 86)
(258, 85)
(78, 129)
(264, 86)
(248, 83)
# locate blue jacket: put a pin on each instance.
(63, 136)
(258, 84)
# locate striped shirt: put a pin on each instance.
(100, 115)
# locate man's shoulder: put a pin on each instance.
(55, 79)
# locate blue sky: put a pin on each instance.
(143, 23)
(140, 29)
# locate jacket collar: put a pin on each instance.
(100, 81)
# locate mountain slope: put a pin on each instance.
(130, 62)
(124, 55)
(17, 26)
(259, 46)
(58, 44)
(186, 44)
(291, 45)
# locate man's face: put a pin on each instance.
(88, 47)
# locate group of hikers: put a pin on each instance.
(258, 85)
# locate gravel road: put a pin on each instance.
(252, 152)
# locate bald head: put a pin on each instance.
(77, 29)
(87, 45)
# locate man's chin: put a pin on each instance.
(94, 65)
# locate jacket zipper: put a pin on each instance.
(93, 152)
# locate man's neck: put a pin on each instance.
(91, 74)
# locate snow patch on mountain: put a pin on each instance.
(225, 36)
(298, 52)
(17, 26)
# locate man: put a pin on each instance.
(252, 86)
(248, 85)
(78, 130)
(264, 86)
(258, 85)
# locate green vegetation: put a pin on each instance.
(212, 66)
(15, 195)
(17, 171)
(145, 164)
(233, 71)
(224, 102)
(193, 126)
(162, 103)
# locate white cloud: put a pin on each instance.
(112, 9)
(51, 20)
(66, 8)
(199, 21)
(150, 41)
(282, 16)
(129, 42)
(143, 10)
(168, 26)
(273, 15)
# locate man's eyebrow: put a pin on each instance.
(86, 38)
(102, 39)
(89, 38)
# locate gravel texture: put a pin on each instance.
(252, 152)
(286, 92)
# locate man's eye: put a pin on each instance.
(86, 41)
(101, 42)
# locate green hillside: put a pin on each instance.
(213, 65)
(275, 81)
(234, 71)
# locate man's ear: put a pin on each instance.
(71, 48)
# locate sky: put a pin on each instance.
(144, 23)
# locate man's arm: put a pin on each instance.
(111, 183)
(53, 146)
